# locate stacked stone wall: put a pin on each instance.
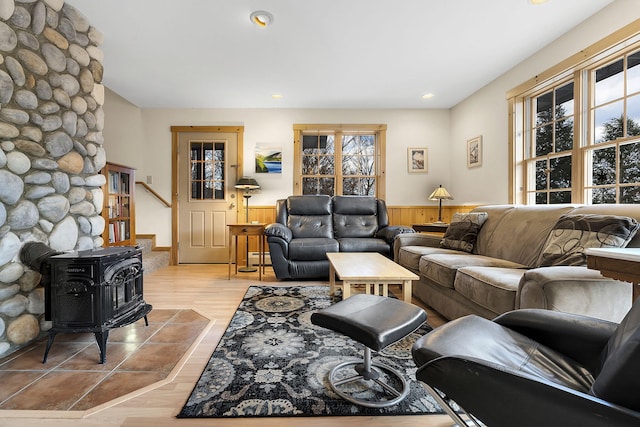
(51, 153)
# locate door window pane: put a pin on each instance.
(207, 170)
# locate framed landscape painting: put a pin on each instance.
(417, 160)
(268, 158)
(474, 152)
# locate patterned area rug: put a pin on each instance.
(272, 361)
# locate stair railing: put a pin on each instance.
(152, 191)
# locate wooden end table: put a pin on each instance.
(617, 263)
(434, 227)
(371, 269)
(251, 229)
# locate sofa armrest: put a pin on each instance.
(390, 232)
(278, 230)
(414, 239)
(574, 289)
(581, 337)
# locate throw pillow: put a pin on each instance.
(572, 234)
(463, 231)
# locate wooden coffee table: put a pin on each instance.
(371, 269)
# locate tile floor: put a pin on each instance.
(72, 379)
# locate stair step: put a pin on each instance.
(154, 260)
(145, 244)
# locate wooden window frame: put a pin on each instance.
(578, 68)
(338, 130)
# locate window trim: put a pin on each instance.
(380, 130)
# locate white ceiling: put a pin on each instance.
(319, 53)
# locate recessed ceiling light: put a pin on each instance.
(276, 96)
(261, 18)
(428, 96)
(538, 1)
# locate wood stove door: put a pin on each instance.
(207, 198)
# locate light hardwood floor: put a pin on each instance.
(205, 289)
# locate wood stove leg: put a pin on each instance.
(101, 339)
(146, 321)
(52, 336)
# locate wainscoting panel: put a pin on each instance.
(398, 215)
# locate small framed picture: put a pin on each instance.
(474, 152)
(417, 160)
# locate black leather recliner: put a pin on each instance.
(535, 367)
(307, 227)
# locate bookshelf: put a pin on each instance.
(119, 205)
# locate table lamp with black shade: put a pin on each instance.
(247, 184)
(440, 194)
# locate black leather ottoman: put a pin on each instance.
(376, 322)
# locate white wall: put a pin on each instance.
(142, 138)
(151, 156)
(123, 132)
(485, 112)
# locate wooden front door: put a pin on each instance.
(207, 173)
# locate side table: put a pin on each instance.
(236, 230)
(617, 263)
(434, 227)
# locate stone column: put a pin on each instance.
(51, 150)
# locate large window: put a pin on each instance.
(339, 159)
(550, 158)
(613, 153)
(576, 134)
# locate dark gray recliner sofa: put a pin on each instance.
(307, 227)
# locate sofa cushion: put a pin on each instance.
(409, 256)
(309, 205)
(530, 223)
(311, 248)
(355, 225)
(355, 216)
(310, 216)
(573, 233)
(463, 231)
(493, 288)
(364, 244)
(442, 268)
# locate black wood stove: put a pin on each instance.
(89, 291)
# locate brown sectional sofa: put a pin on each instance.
(502, 272)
